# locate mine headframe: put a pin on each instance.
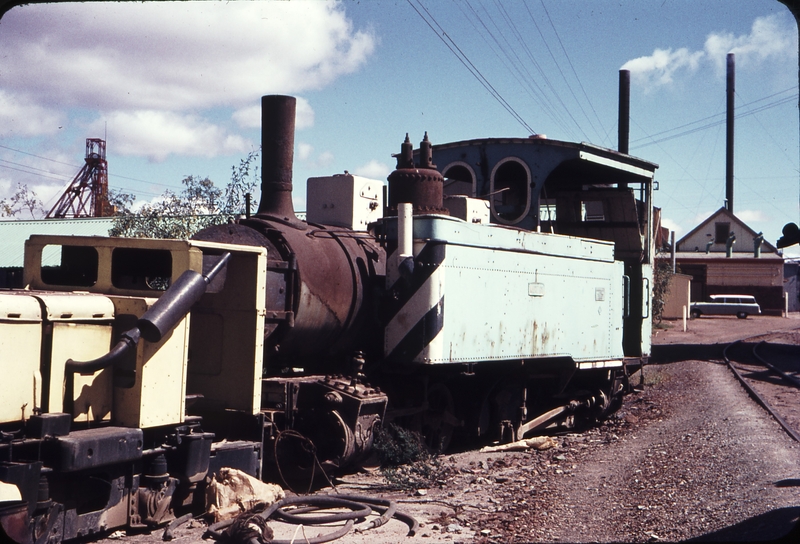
(87, 195)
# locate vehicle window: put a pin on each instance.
(136, 268)
(458, 180)
(69, 265)
(592, 210)
(511, 191)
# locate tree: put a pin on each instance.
(23, 201)
(662, 276)
(199, 205)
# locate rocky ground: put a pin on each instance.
(689, 458)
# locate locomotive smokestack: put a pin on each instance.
(731, 89)
(277, 155)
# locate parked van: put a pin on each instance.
(739, 305)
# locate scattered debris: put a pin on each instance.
(231, 492)
(536, 443)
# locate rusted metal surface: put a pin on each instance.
(324, 280)
(421, 185)
(14, 524)
(277, 155)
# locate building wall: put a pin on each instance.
(790, 285)
(763, 278)
(762, 273)
(716, 228)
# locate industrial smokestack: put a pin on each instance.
(277, 155)
(731, 89)
(624, 124)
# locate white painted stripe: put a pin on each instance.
(433, 351)
(619, 165)
(425, 298)
(599, 364)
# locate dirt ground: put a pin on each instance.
(720, 329)
(689, 458)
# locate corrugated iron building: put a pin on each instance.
(14, 233)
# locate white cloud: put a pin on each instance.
(46, 193)
(672, 226)
(770, 37)
(752, 216)
(176, 55)
(19, 116)
(304, 114)
(158, 134)
(161, 67)
(699, 217)
(374, 170)
(48, 179)
(324, 159)
(303, 151)
(250, 117)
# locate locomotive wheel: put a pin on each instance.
(438, 421)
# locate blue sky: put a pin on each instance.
(176, 89)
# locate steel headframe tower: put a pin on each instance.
(87, 195)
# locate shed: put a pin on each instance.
(14, 233)
(678, 296)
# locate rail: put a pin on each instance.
(754, 394)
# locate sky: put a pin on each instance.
(175, 89)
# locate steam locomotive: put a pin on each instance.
(503, 292)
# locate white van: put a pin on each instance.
(739, 305)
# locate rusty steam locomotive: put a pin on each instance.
(502, 292)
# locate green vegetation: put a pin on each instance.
(662, 275)
(199, 205)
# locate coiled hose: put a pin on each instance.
(359, 507)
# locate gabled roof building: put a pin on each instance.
(725, 256)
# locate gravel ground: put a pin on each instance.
(689, 458)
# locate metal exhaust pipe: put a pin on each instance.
(277, 156)
(624, 124)
(730, 93)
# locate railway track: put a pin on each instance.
(768, 367)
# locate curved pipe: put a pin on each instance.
(129, 340)
(167, 311)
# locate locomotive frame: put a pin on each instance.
(502, 293)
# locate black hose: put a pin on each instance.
(360, 506)
(319, 539)
(174, 524)
(128, 341)
(358, 510)
(413, 524)
(167, 311)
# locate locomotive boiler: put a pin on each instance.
(502, 291)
